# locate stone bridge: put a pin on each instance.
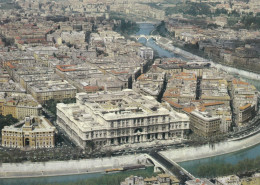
(164, 165)
(147, 37)
(158, 167)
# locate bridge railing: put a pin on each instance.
(178, 167)
(157, 164)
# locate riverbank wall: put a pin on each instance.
(189, 56)
(56, 168)
(210, 150)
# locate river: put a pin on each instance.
(49, 180)
(191, 166)
(145, 29)
(231, 158)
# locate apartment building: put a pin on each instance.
(58, 90)
(19, 105)
(204, 124)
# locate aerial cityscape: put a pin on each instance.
(129, 92)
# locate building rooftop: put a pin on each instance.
(204, 115)
(93, 111)
(46, 86)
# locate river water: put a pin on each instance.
(50, 180)
(191, 166)
(145, 29)
(232, 158)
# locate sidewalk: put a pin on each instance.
(205, 151)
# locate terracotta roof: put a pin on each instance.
(169, 92)
(93, 88)
(235, 81)
(172, 103)
(63, 68)
(202, 109)
(142, 77)
(245, 106)
(10, 65)
(212, 104)
(188, 109)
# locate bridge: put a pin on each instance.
(158, 167)
(161, 164)
(147, 37)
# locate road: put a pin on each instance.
(171, 167)
(253, 127)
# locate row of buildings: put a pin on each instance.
(161, 179)
(235, 47)
(60, 62)
(214, 100)
(135, 8)
(165, 179)
(233, 179)
(58, 58)
(19, 105)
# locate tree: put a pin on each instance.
(7, 121)
(221, 11)
(90, 144)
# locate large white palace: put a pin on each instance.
(114, 118)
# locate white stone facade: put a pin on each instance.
(146, 53)
(115, 118)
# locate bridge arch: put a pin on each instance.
(147, 37)
(157, 166)
(150, 161)
(159, 169)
